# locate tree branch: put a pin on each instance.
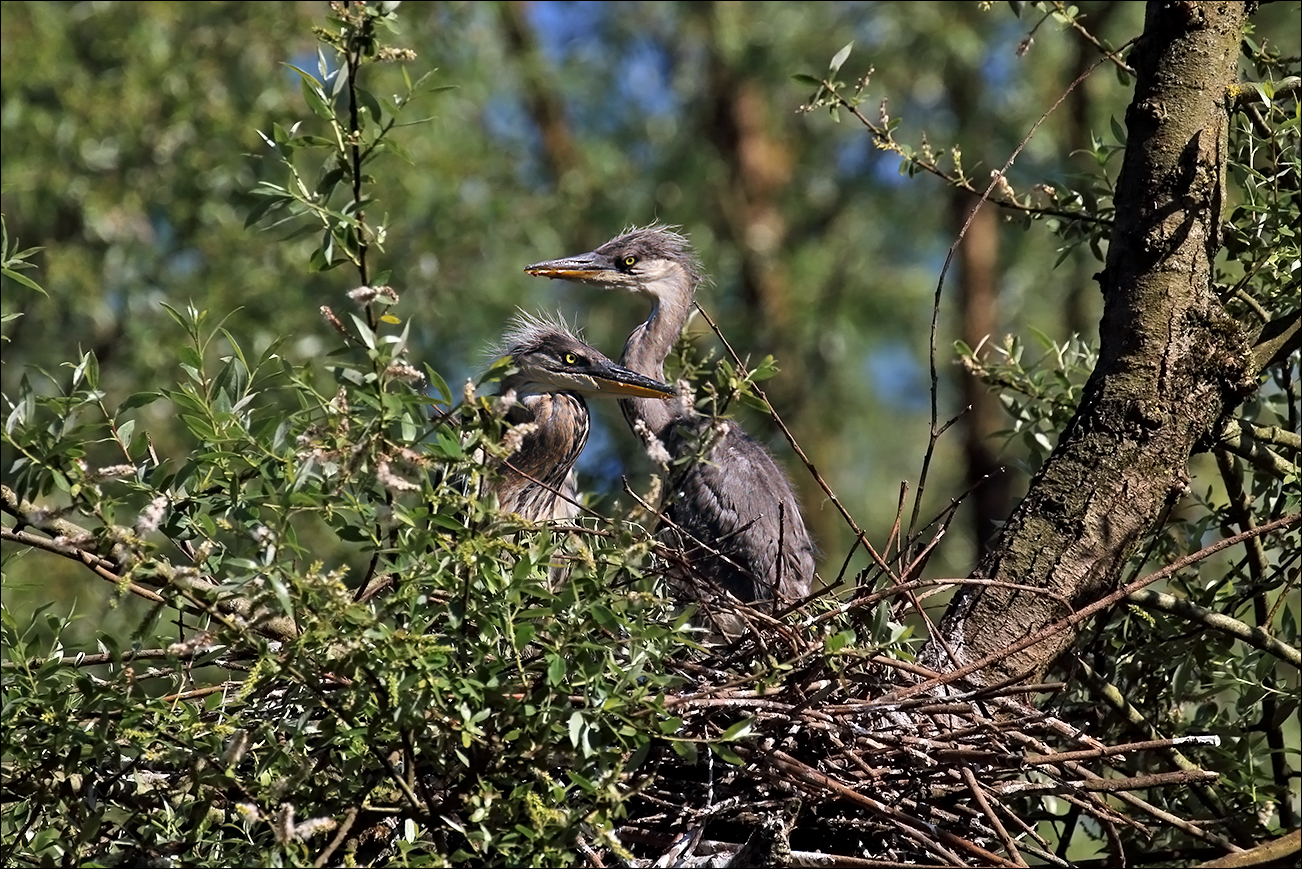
(1010, 652)
(26, 513)
(1276, 340)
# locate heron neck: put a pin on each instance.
(649, 345)
(546, 455)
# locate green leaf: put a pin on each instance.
(727, 754)
(318, 262)
(369, 103)
(364, 331)
(353, 534)
(586, 783)
(767, 368)
(576, 729)
(451, 448)
(328, 182)
(839, 58)
(315, 97)
(396, 148)
(1118, 131)
(437, 381)
(24, 280)
(555, 670)
(198, 427)
(669, 726)
(605, 618)
(838, 641)
(138, 400)
(686, 750)
(260, 210)
(282, 594)
(737, 731)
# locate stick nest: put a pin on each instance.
(846, 763)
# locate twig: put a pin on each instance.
(1099, 605)
(854, 526)
(1114, 56)
(1187, 609)
(96, 564)
(83, 660)
(272, 627)
(940, 283)
(978, 794)
(339, 838)
(859, 533)
(1138, 803)
(1245, 444)
(1112, 750)
(1111, 785)
(812, 776)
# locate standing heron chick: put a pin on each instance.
(736, 509)
(552, 372)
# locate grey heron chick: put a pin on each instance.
(737, 509)
(552, 372)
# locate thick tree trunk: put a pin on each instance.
(1171, 361)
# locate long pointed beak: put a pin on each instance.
(574, 268)
(612, 379)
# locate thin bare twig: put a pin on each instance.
(1100, 605)
(995, 179)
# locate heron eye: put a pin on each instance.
(630, 260)
(571, 359)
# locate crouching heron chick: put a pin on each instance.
(735, 513)
(552, 372)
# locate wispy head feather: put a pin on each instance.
(527, 333)
(657, 241)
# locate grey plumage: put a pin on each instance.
(553, 370)
(736, 514)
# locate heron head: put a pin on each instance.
(548, 357)
(640, 260)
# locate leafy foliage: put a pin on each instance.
(297, 691)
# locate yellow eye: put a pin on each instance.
(571, 359)
(630, 260)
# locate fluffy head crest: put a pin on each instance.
(656, 241)
(527, 333)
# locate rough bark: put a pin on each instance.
(1171, 363)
